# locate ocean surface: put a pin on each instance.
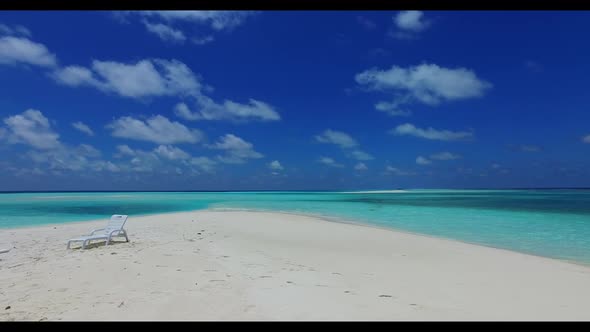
(551, 223)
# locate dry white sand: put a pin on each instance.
(212, 265)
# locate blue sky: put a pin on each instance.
(301, 100)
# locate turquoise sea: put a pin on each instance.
(552, 223)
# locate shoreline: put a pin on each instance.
(332, 219)
(237, 265)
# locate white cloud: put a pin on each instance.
(496, 166)
(87, 151)
(586, 139)
(68, 158)
(217, 20)
(392, 108)
(165, 32)
(361, 167)
(229, 110)
(329, 161)
(361, 155)
(237, 150)
(83, 128)
(112, 167)
(105, 165)
(125, 150)
(426, 83)
(171, 152)
(202, 40)
(159, 78)
(157, 129)
(397, 171)
(17, 30)
(75, 76)
(411, 20)
(146, 78)
(275, 165)
(164, 158)
(444, 156)
(336, 137)
(160, 22)
(423, 161)
(430, 133)
(14, 50)
(204, 163)
(32, 128)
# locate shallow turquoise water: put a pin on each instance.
(551, 223)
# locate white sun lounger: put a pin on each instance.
(114, 228)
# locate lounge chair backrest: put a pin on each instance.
(116, 223)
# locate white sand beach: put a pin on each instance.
(211, 265)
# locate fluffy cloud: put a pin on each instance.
(14, 50)
(67, 158)
(345, 142)
(426, 83)
(329, 161)
(83, 128)
(165, 32)
(202, 40)
(423, 161)
(203, 163)
(139, 160)
(17, 30)
(237, 150)
(171, 152)
(228, 110)
(160, 78)
(361, 155)
(397, 171)
(337, 137)
(31, 128)
(361, 167)
(157, 129)
(392, 108)
(217, 20)
(411, 20)
(160, 22)
(444, 156)
(430, 133)
(275, 165)
(586, 139)
(145, 78)
(125, 150)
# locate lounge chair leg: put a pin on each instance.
(69, 242)
(84, 244)
(126, 238)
